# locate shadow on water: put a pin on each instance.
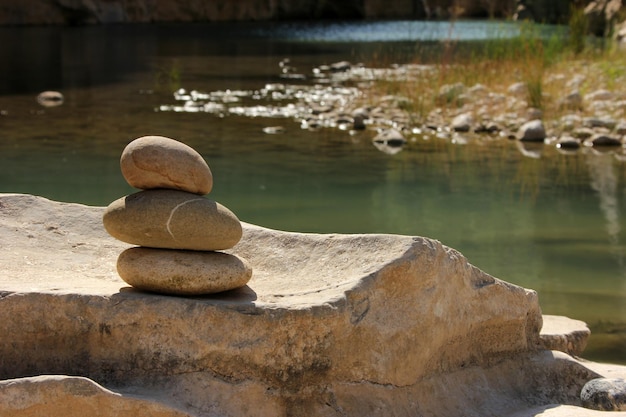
(34, 59)
(49, 58)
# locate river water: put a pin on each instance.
(554, 223)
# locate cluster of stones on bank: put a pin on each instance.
(339, 98)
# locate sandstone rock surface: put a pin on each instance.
(159, 162)
(68, 396)
(171, 219)
(564, 334)
(329, 325)
(182, 272)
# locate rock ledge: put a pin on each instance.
(329, 325)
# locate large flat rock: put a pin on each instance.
(329, 325)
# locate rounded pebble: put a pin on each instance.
(532, 131)
(604, 394)
(568, 142)
(182, 272)
(172, 219)
(158, 162)
(602, 140)
(50, 98)
(463, 122)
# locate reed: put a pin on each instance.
(578, 30)
(167, 78)
(531, 58)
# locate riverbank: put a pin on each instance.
(572, 104)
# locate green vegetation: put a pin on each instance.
(167, 78)
(578, 29)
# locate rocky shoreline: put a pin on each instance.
(584, 115)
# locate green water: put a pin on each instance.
(554, 224)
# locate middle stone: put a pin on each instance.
(172, 219)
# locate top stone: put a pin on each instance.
(159, 162)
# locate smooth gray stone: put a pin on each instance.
(172, 219)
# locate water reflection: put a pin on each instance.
(390, 147)
(392, 31)
(604, 182)
(530, 149)
(389, 141)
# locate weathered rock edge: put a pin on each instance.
(329, 325)
(59, 395)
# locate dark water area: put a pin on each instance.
(554, 223)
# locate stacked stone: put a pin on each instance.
(180, 234)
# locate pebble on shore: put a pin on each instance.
(345, 100)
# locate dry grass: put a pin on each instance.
(550, 70)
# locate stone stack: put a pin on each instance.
(180, 234)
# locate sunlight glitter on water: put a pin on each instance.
(392, 31)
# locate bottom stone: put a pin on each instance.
(182, 272)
